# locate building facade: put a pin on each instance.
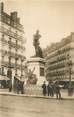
(60, 60)
(12, 44)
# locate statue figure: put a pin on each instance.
(31, 77)
(36, 44)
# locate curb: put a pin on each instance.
(34, 96)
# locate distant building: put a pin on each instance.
(60, 60)
(12, 43)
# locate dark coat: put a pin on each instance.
(44, 89)
(57, 89)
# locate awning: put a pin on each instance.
(4, 78)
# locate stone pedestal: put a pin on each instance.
(33, 90)
(39, 65)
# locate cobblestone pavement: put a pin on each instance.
(17, 106)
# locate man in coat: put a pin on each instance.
(44, 88)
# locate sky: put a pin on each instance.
(53, 18)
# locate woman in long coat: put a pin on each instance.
(44, 88)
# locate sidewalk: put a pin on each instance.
(63, 93)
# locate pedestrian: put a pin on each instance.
(22, 87)
(49, 89)
(57, 90)
(18, 86)
(44, 88)
(10, 85)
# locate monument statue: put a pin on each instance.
(31, 77)
(36, 63)
(38, 50)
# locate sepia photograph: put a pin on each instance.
(36, 58)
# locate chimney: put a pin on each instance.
(14, 16)
(18, 20)
(1, 7)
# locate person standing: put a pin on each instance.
(22, 87)
(58, 93)
(49, 89)
(44, 88)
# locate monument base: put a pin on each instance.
(33, 90)
(39, 65)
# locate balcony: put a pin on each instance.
(18, 66)
(17, 46)
(12, 44)
(12, 54)
(10, 33)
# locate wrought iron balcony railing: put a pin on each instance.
(12, 54)
(10, 33)
(12, 44)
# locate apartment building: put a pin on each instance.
(12, 44)
(60, 60)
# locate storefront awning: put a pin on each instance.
(4, 78)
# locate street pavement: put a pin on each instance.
(64, 94)
(22, 106)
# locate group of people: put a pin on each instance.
(17, 87)
(51, 88)
(20, 87)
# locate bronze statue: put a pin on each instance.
(31, 77)
(36, 44)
